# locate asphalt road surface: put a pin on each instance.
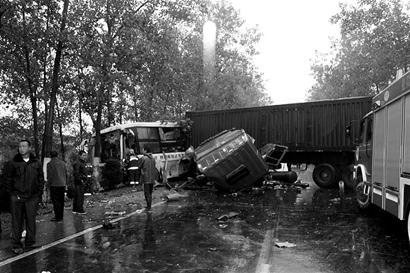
(285, 229)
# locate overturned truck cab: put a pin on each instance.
(232, 161)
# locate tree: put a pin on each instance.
(48, 131)
(374, 44)
(118, 61)
(22, 44)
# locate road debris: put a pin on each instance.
(284, 244)
(106, 244)
(225, 217)
(174, 196)
(301, 184)
(115, 213)
(335, 200)
(108, 225)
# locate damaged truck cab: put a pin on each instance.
(382, 169)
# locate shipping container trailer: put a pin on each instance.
(382, 169)
(314, 132)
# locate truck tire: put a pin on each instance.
(325, 176)
(363, 199)
(347, 177)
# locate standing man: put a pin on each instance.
(149, 174)
(24, 182)
(80, 176)
(57, 180)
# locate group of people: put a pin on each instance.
(24, 182)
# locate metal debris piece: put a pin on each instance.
(335, 200)
(301, 184)
(284, 244)
(225, 217)
(106, 244)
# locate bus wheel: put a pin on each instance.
(324, 175)
(363, 196)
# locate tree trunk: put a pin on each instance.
(80, 119)
(97, 124)
(48, 131)
(60, 129)
(135, 106)
(33, 94)
(33, 100)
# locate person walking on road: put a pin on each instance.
(149, 174)
(80, 176)
(57, 180)
(24, 182)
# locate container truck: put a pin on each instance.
(382, 169)
(314, 132)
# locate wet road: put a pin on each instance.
(329, 234)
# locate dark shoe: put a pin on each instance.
(17, 250)
(56, 219)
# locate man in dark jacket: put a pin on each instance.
(57, 180)
(24, 182)
(80, 176)
(149, 174)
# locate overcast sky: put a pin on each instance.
(292, 31)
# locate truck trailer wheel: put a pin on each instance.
(324, 175)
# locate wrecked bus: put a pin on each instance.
(382, 169)
(314, 132)
(166, 140)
